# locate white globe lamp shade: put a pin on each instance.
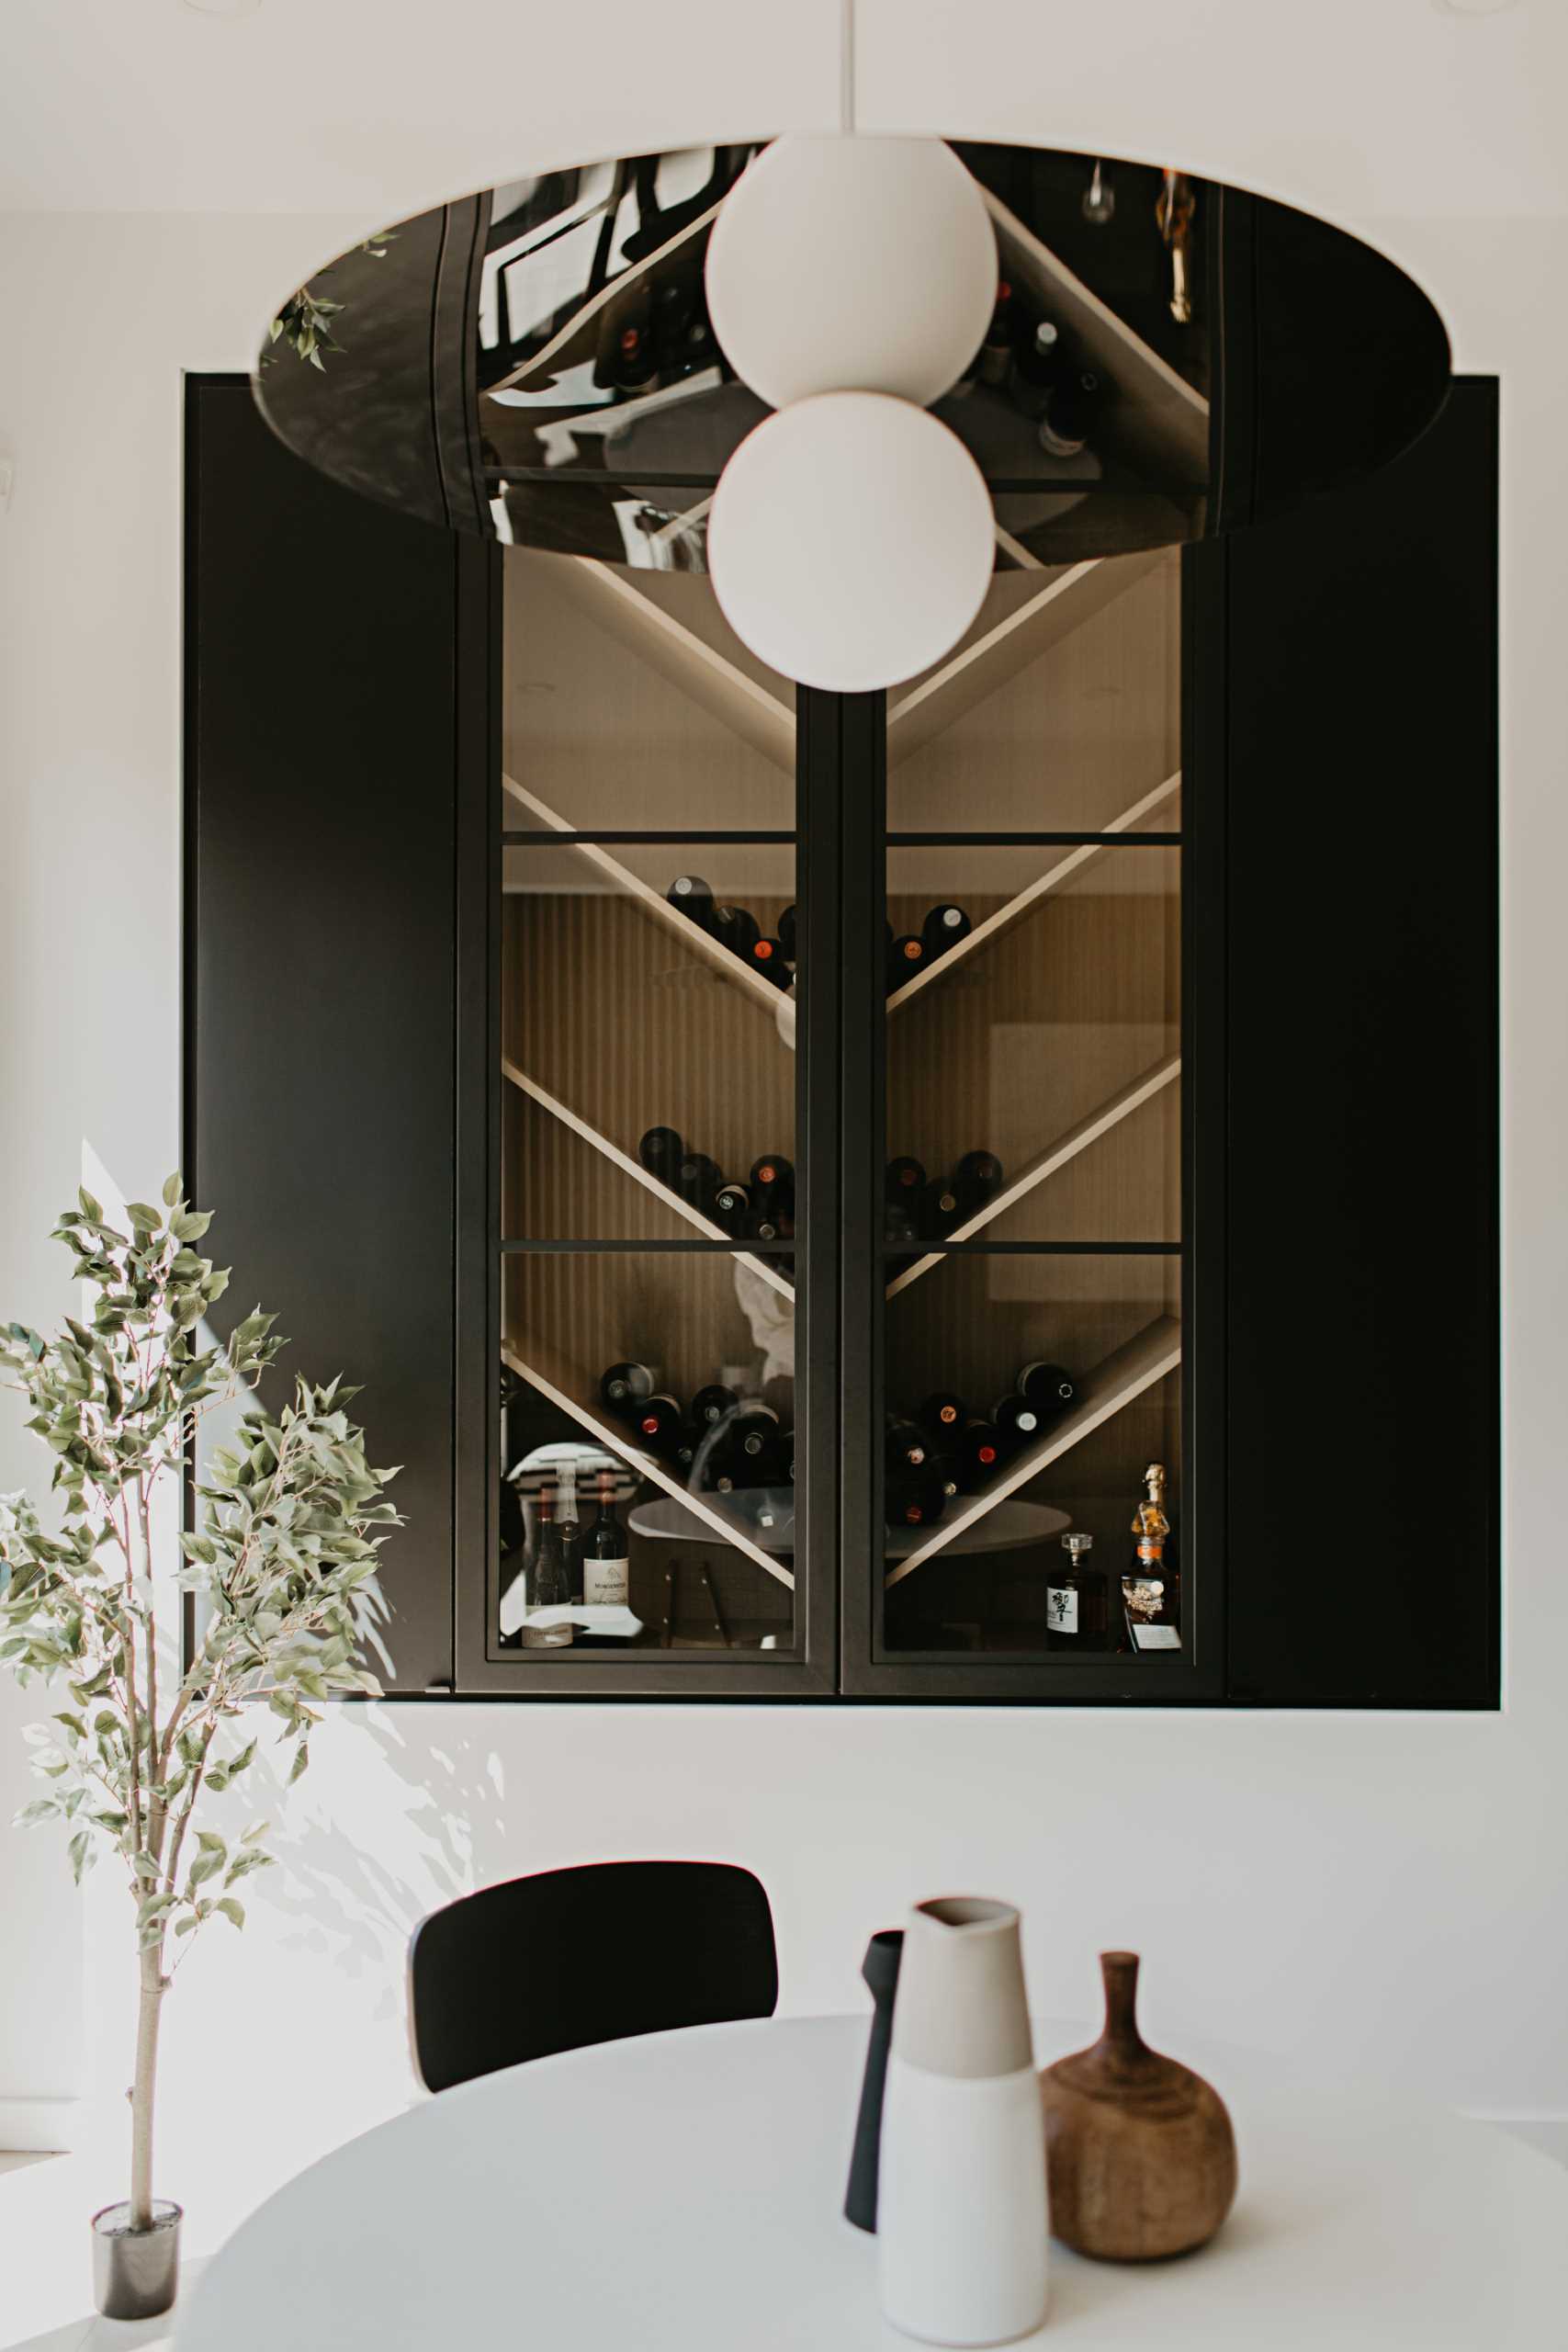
(846, 263)
(850, 541)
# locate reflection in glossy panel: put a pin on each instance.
(1042, 1388)
(675, 1374)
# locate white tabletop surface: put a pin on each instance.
(1008, 1526)
(682, 2193)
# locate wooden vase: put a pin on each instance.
(1139, 2149)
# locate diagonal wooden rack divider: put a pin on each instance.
(1112, 1385)
(550, 1379)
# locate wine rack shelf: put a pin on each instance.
(1162, 422)
(635, 1169)
(1066, 599)
(553, 1381)
(1099, 1122)
(1077, 862)
(1114, 1384)
(578, 340)
(779, 1002)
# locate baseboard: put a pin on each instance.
(38, 2126)
(1548, 2132)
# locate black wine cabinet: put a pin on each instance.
(1045, 1116)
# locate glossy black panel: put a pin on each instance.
(537, 363)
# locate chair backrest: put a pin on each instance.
(577, 1956)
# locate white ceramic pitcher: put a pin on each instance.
(961, 2217)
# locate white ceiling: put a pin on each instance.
(1362, 109)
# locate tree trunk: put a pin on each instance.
(144, 2087)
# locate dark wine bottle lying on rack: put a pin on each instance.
(939, 1210)
(948, 1472)
(1049, 1386)
(915, 1499)
(661, 1151)
(899, 1223)
(944, 1414)
(979, 1451)
(732, 1209)
(905, 958)
(1069, 414)
(904, 1177)
(786, 931)
(623, 1386)
(693, 896)
(943, 927)
(657, 1420)
(976, 1180)
(1017, 1421)
(711, 1403)
(906, 1445)
(767, 956)
(772, 1173)
(737, 927)
(697, 1180)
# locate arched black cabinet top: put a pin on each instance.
(466, 365)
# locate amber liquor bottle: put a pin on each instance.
(1151, 1588)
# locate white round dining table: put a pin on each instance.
(682, 2193)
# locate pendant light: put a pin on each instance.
(849, 280)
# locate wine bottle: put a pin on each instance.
(948, 1472)
(693, 896)
(662, 1151)
(1048, 1387)
(1069, 414)
(944, 1414)
(624, 1386)
(1075, 1600)
(903, 1179)
(1037, 368)
(711, 1403)
(906, 1446)
(550, 1589)
(1017, 1420)
(786, 932)
(907, 956)
(943, 927)
(697, 1180)
(1151, 1591)
(772, 1173)
(732, 1208)
(939, 1209)
(737, 927)
(569, 1528)
(606, 1555)
(656, 1420)
(913, 1500)
(979, 1451)
(976, 1180)
(768, 957)
(995, 352)
(636, 368)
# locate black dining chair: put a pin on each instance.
(593, 1954)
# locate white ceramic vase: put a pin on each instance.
(961, 2217)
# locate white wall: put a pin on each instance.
(1377, 1891)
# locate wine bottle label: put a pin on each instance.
(1061, 1609)
(1156, 1637)
(604, 1583)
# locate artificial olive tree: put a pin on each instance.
(289, 1516)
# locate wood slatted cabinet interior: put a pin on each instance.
(1208, 967)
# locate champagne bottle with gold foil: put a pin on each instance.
(1151, 1588)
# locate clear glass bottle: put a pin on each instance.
(550, 1589)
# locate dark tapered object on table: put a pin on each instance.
(1140, 2150)
(880, 1969)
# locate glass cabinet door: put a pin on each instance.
(1028, 1530)
(653, 1190)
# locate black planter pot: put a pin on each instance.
(136, 2273)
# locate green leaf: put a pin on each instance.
(171, 1189)
(190, 1225)
(81, 1855)
(184, 1926)
(90, 1207)
(301, 1759)
(144, 1219)
(231, 1909)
